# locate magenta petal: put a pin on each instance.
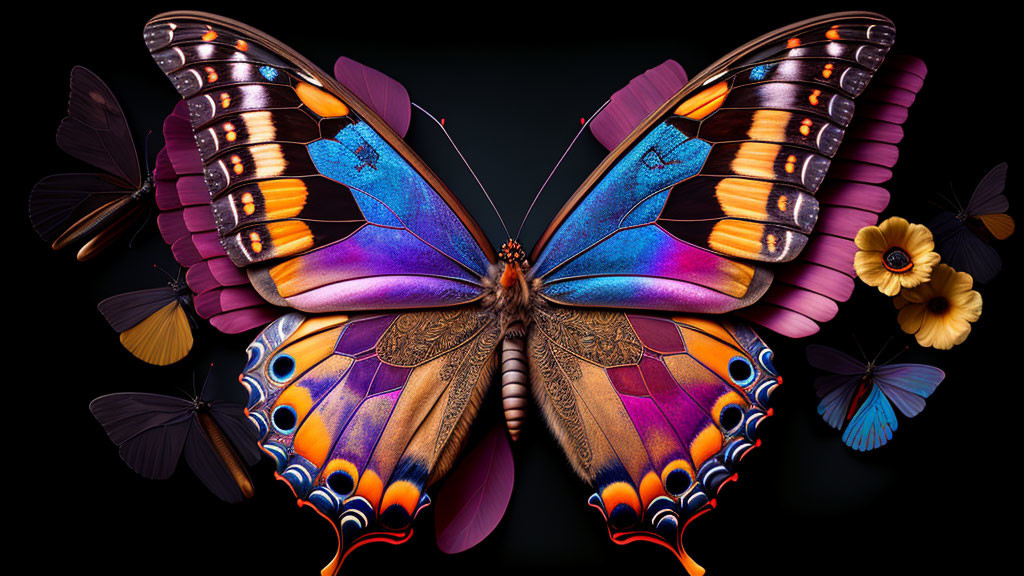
(167, 195)
(814, 306)
(845, 222)
(172, 226)
(824, 281)
(185, 252)
(199, 218)
(472, 501)
(835, 253)
(162, 169)
(632, 104)
(781, 320)
(246, 319)
(192, 190)
(854, 195)
(878, 131)
(180, 144)
(859, 172)
(388, 98)
(871, 152)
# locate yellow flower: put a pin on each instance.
(939, 313)
(895, 254)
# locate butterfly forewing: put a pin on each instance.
(718, 184)
(311, 188)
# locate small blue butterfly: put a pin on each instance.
(861, 395)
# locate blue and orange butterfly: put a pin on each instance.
(737, 192)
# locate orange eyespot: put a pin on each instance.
(210, 36)
(813, 98)
(242, 45)
(833, 33)
(793, 43)
(805, 126)
(782, 203)
(211, 74)
(790, 164)
(771, 241)
(827, 71)
(225, 100)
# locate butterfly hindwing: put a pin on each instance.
(152, 324)
(148, 429)
(363, 413)
(654, 412)
(312, 191)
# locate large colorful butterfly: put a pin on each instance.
(708, 205)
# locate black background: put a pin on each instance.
(512, 82)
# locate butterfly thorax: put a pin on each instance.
(510, 292)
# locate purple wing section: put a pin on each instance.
(388, 98)
(149, 429)
(632, 104)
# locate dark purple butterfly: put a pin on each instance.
(153, 324)
(152, 430)
(96, 209)
(964, 239)
(860, 395)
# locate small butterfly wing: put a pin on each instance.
(873, 424)
(149, 429)
(362, 414)
(963, 249)
(691, 211)
(208, 466)
(152, 324)
(312, 191)
(231, 417)
(834, 361)
(653, 412)
(59, 203)
(96, 130)
(988, 197)
(907, 385)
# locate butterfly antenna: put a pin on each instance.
(166, 273)
(860, 348)
(886, 345)
(145, 152)
(149, 214)
(557, 164)
(959, 207)
(470, 168)
(897, 355)
(209, 372)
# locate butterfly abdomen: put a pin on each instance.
(514, 380)
(226, 453)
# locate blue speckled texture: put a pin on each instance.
(361, 159)
(660, 159)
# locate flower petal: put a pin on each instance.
(871, 238)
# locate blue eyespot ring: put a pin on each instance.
(765, 358)
(284, 419)
(340, 482)
(282, 367)
(741, 371)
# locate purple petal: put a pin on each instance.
(472, 501)
(388, 98)
(635, 102)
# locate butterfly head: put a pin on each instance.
(513, 255)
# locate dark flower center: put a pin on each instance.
(938, 305)
(897, 261)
